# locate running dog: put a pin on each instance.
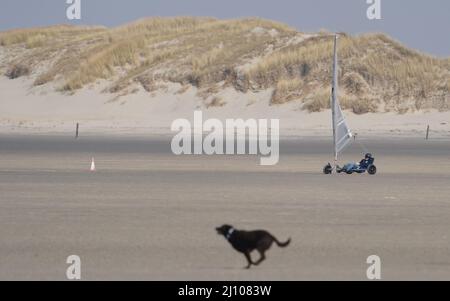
(248, 241)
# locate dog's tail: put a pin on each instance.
(281, 244)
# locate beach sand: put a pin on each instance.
(146, 214)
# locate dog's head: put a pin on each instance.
(223, 230)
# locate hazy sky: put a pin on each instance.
(424, 25)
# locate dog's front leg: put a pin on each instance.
(249, 260)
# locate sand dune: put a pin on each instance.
(141, 76)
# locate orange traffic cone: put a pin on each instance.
(93, 165)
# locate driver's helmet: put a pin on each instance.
(368, 156)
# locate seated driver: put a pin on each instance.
(364, 163)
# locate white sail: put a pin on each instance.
(341, 132)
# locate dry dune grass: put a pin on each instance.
(38, 37)
(369, 64)
(199, 48)
(318, 101)
(287, 90)
(205, 52)
(16, 71)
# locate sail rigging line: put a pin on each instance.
(363, 147)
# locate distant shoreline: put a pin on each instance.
(142, 132)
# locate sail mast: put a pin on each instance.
(334, 100)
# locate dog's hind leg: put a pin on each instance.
(249, 260)
(262, 247)
(262, 258)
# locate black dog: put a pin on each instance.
(247, 241)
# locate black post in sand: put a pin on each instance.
(428, 132)
(76, 133)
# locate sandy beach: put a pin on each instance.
(149, 215)
(41, 110)
(146, 214)
(109, 109)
